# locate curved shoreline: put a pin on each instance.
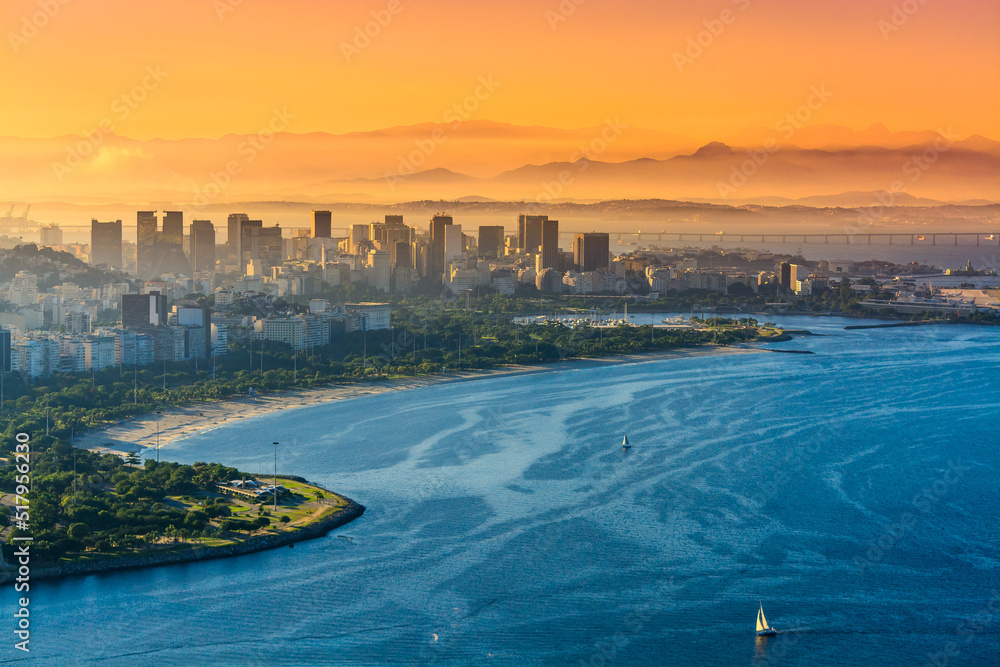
(177, 423)
(250, 545)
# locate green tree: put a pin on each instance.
(78, 531)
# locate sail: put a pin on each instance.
(761, 621)
(625, 441)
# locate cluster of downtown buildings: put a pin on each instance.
(51, 330)
(389, 255)
(256, 268)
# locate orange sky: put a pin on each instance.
(940, 68)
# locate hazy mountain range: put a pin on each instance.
(819, 165)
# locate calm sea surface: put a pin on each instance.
(856, 492)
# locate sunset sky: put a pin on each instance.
(228, 64)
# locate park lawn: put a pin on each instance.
(293, 513)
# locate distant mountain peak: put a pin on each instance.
(712, 149)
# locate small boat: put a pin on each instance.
(625, 443)
(763, 629)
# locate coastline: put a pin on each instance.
(176, 423)
(253, 544)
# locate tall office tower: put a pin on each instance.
(170, 257)
(590, 251)
(51, 235)
(106, 244)
(796, 273)
(378, 232)
(490, 241)
(401, 254)
(454, 244)
(271, 247)
(145, 247)
(4, 350)
(359, 234)
(202, 245)
(784, 276)
(322, 224)
(144, 310)
(550, 244)
(233, 234)
(529, 232)
(435, 263)
(393, 233)
(173, 227)
(378, 270)
(246, 228)
(263, 246)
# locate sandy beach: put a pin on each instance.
(151, 431)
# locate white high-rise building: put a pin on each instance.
(379, 270)
(452, 242)
(23, 289)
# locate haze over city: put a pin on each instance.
(534, 332)
(399, 101)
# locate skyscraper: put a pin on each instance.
(550, 244)
(145, 247)
(233, 233)
(359, 235)
(322, 224)
(529, 232)
(378, 271)
(245, 227)
(590, 252)
(784, 276)
(262, 245)
(391, 234)
(202, 245)
(453, 244)
(491, 241)
(435, 265)
(173, 227)
(4, 350)
(170, 257)
(106, 244)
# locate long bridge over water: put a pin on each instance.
(861, 238)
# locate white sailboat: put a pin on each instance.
(625, 443)
(763, 629)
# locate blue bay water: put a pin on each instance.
(854, 491)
